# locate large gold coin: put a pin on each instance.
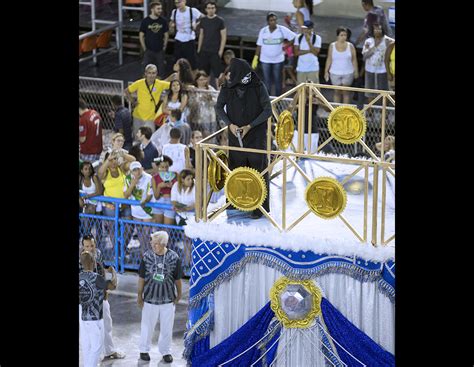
(347, 124)
(296, 303)
(326, 197)
(285, 129)
(215, 173)
(245, 188)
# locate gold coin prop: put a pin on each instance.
(245, 188)
(215, 173)
(296, 303)
(285, 129)
(347, 124)
(326, 197)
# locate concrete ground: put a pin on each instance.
(126, 318)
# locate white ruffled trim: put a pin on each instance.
(271, 237)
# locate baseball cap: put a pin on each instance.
(135, 165)
(307, 24)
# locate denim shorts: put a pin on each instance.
(108, 211)
(169, 213)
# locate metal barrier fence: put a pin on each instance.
(123, 241)
(97, 93)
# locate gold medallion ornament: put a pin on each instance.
(245, 188)
(347, 124)
(284, 130)
(326, 197)
(215, 173)
(296, 303)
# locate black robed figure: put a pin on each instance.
(247, 107)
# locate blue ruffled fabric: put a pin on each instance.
(252, 331)
(353, 340)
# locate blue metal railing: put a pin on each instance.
(123, 241)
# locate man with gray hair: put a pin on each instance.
(144, 96)
(159, 290)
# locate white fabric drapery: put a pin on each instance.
(238, 299)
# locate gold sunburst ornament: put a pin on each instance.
(326, 197)
(215, 173)
(296, 303)
(245, 188)
(347, 124)
(284, 130)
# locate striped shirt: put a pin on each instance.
(91, 295)
(160, 292)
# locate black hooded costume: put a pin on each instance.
(247, 103)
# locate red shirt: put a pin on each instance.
(172, 178)
(91, 128)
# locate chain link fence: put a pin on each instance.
(201, 115)
(97, 94)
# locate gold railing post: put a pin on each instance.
(198, 213)
(384, 192)
(204, 184)
(310, 119)
(366, 199)
(283, 207)
(375, 194)
(301, 120)
(382, 138)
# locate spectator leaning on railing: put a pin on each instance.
(138, 187)
(183, 197)
(90, 185)
(113, 178)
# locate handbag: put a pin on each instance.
(160, 119)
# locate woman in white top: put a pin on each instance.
(373, 52)
(341, 65)
(90, 185)
(183, 196)
(304, 10)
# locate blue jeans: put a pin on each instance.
(272, 73)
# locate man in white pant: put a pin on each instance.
(91, 297)
(88, 244)
(159, 290)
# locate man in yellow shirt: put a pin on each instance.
(144, 95)
(390, 64)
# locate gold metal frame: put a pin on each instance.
(206, 151)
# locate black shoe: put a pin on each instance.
(144, 356)
(168, 358)
(256, 215)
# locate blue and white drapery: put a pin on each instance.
(214, 263)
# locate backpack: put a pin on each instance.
(190, 18)
(313, 39)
